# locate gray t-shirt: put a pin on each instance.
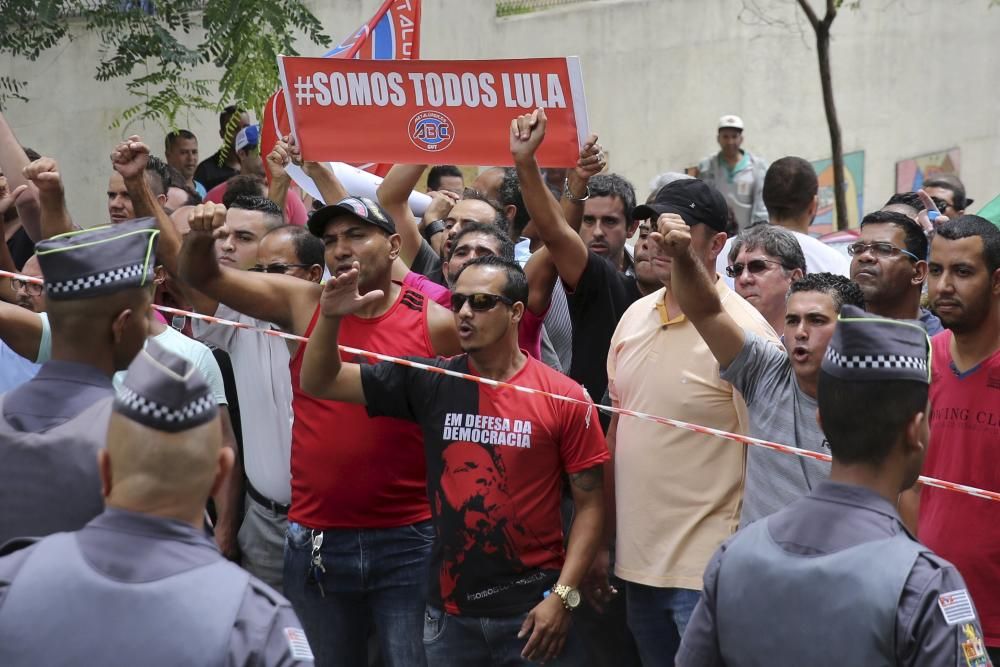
(779, 411)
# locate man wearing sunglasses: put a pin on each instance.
(764, 261)
(495, 461)
(889, 264)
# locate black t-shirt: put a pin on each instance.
(428, 264)
(21, 248)
(601, 298)
(495, 464)
(210, 174)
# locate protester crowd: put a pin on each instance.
(180, 489)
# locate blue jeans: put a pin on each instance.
(372, 575)
(657, 618)
(481, 641)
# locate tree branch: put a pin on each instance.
(810, 14)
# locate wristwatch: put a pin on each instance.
(569, 195)
(570, 596)
(433, 228)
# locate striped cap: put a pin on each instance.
(165, 392)
(99, 261)
(866, 347)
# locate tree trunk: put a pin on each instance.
(826, 81)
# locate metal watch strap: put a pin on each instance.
(569, 195)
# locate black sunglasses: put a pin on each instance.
(754, 266)
(479, 302)
(278, 268)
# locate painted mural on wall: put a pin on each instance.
(912, 172)
(854, 175)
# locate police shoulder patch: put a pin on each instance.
(956, 607)
(298, 645)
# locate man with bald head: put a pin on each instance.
(163, 460)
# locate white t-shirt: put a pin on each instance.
(264, 387)
(172, 340)
(820, 258)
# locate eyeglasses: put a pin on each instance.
(278, 268)
(33, 289)
(881, 249)
(478, 302)
(754, 266)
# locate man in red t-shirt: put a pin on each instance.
(964, 286)
(359, 533)
(495, 464)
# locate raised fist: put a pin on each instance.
(44, 173)
(130, 157)
(206, 218)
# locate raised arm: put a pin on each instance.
(21, 329)
(541, 269)
(283, 300)
(568, 250)
(394, 196)
(44, 175)
(129, 158)
(695, 291)
(324, 375)
(13, 160)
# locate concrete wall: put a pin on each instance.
(911, 77)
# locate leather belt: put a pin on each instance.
(261, 499)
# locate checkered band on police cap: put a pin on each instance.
(165, 392)
(99, 261)
(866, 347)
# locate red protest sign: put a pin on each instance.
(432, 111)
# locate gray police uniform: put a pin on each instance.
(52, 426)
(834, 578)
(51, 429)
(132, 589)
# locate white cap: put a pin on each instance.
(731, 121)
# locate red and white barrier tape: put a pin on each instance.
(676, 423)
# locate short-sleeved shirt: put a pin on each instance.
(209, 173)
(495, 460)
(15, 370)
(428, 263)
(832, 518)
(601, 296)
(781, 412)
(264, 387)
(965, 448)
(678, 492)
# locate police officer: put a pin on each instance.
(835, 578)
(98, 287)
(142, 583)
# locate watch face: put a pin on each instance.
(573, 599)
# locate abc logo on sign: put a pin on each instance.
(431, 131)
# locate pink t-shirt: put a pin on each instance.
(295, 210)
(529, 331)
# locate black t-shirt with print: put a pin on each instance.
(495, 464)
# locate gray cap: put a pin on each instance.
(866, 347)
(165, 392)
(98, 261)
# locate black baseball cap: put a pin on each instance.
(358, 207)
(694, 200)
